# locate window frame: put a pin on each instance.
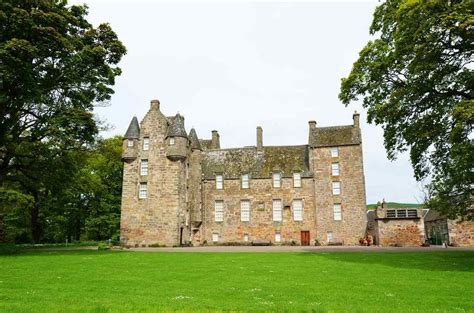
(277, 236)
(335, 171)
(242, 210)
(300, 217)
(130, 143)
(297, 180)
(218, 216)
(142, 191)
(335, 207)
(219, 181)
(334, 189)
(215, 237)
(242, 180)
(274, 175)
(144, 169)
(172, 141)
(146, 144)
(334, 152)
(274, 211)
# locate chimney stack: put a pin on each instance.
(356, 118)
(259, 138)
(215, 142)
(155, 105)
(312, 125)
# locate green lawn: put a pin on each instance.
(103, 281)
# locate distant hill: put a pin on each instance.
(394, 205)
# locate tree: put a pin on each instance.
(54, 67)
(416, 80)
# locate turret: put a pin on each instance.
(176, 139)
(130, 141)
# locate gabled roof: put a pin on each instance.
(133, 131)
(193, 138)
(334, 136)
(232, 163)
(176, 126)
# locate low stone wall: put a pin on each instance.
(401, 232)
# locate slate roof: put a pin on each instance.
(205, 143)
(433, 215)
(176, 126)
(232, 163)
(334, 136)
(193, 138)
(133, 131)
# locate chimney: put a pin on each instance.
(312, 125)
(356, 117)
(215, 142)
(259, 138)
(155, 105)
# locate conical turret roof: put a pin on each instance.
(193, 138)
(176, 127)
(133, 131)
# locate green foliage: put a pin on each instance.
(416, 80)
(109, 281)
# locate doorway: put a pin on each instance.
(305, 238)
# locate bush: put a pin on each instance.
(316, 242)
(103, 246)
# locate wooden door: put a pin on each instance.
(305, 238)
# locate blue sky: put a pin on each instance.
(233, 65)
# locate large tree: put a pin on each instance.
(416, 80)
(54, 68)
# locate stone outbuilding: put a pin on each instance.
(439, 229)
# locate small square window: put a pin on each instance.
(276, 180)
(329, 236)
(335, 169)
(277, 237)
(146, 143)
(219, 211)
(297, 180)
(130, 143)
(144, 167)
(219, 182)
(337, 212)
(336, 188)
(246, 237)
(172, 141)
(245, 181)
(142, 191)
(334, 152)
(215, 237)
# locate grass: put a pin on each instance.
(397, 205)
(121, 281)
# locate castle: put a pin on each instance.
(179, 189)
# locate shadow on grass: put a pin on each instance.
(453, 261)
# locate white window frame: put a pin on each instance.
(142, 191)
(335, 169)
(276, 179)
(215, 237)
(330, 236)
(334, 152)
(337, 211)
(336, 188)
(219, 211)
(219, 182)
(277, 208)
(297, 180)
(144, 167)
(245, 181)
(297, 210)
(129, 143)
(246, 237)
(277, 236)
(245, 210)
(172, 141)
(146, 143)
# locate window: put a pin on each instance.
(245, 210)
(219, 182)
(337, 212)
(219, 211)
(296, 180)
(276, 180)
(246, 237)
(277, 237)
(142, 191)
(215, 237)
(245, 181)
(144, 167)
(277, 214)
(130, 143)
(335, 169)
(330, 237)
(146, 143)
(334, 152)
(401, 213)
(172, 141)
(297, 210)
(336, 188)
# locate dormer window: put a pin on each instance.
(146, 143)
(172, 141)
(297, 180)
(130, 143)
(245, 181)
(219, 182)
(334, 152)
(276, 180)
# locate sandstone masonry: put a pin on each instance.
(180, 189)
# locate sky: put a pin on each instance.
(235, 65)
